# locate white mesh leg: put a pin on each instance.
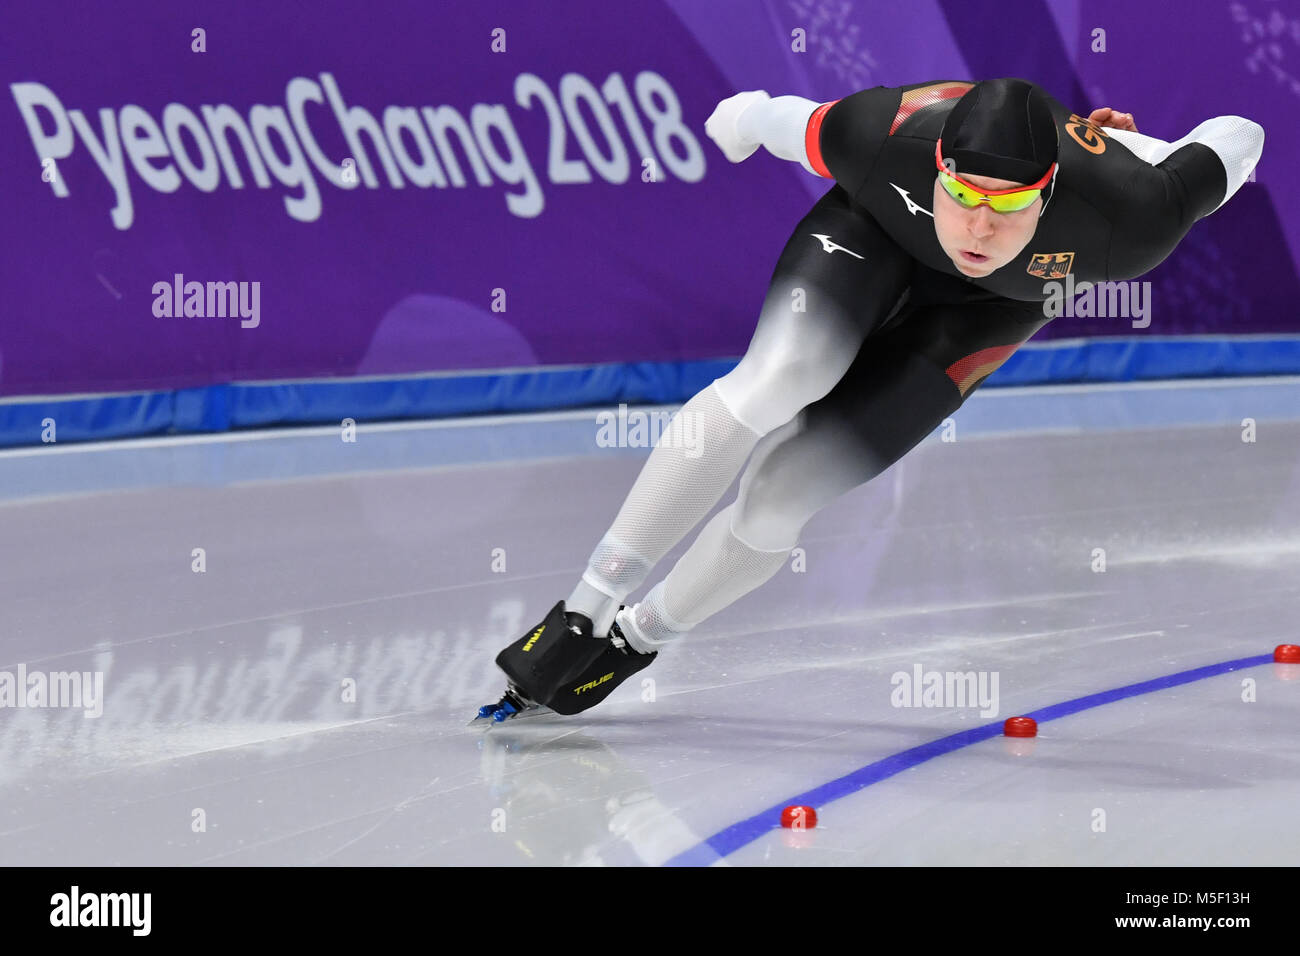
(694, 462)
(718, 569)
(791, 361)
(795, 472)
(797, 355)
(814, 318)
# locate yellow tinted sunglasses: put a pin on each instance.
(1000, 200)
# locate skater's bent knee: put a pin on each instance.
(765, 395)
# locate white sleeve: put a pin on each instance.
(780, 124)
(1235, 140)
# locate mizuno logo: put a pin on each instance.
(533, 640)
(912, 207)
(593, 684)
(830, 246)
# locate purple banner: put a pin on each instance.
(262, 191)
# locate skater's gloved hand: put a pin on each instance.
(723, 129)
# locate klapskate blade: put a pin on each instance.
(512, 696)
(527, 714)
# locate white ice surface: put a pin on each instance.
(373, 562)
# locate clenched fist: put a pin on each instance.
(722, 124)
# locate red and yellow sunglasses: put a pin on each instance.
(1000, 200)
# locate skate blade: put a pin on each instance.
(506, 711)
(526, 715)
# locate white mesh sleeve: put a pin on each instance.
(779, 124)
(1146, 148)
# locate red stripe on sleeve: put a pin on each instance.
(812, 139)
(924, 96)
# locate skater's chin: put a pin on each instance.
(973, 269)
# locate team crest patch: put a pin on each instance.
(1050, 265)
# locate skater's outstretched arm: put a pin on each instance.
(742, 123)
(836, 140)
(1234, 141)
(1177, 184)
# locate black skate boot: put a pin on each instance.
(611, 668)
(541, 661)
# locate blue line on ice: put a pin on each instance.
(728, 841)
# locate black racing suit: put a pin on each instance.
(935, 333)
